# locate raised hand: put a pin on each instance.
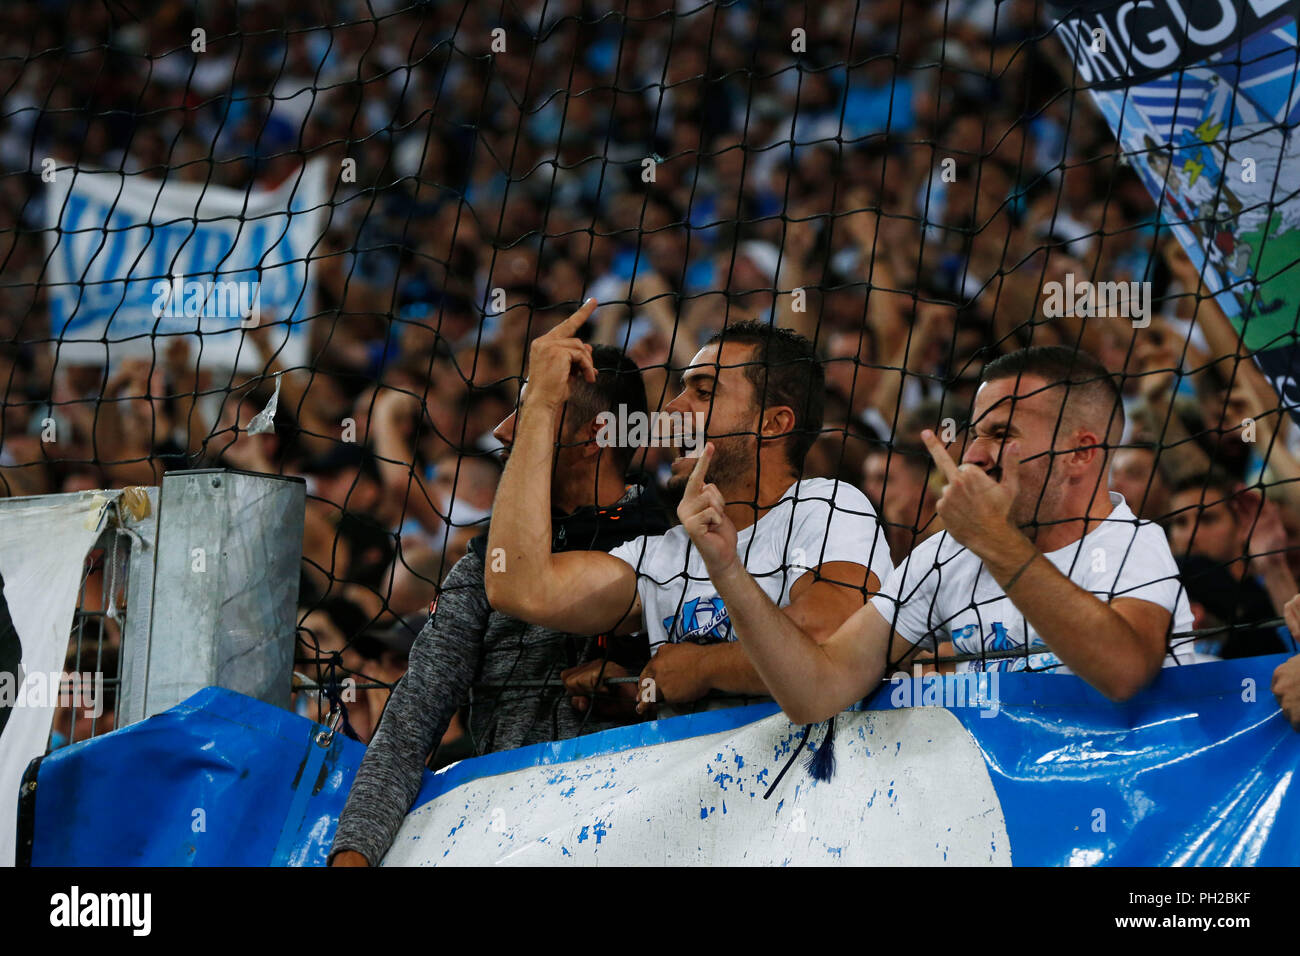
(1286, 679)
(703, 513)
(976, 509)
(556, 359)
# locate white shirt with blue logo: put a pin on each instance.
(942, 591)
(817, 521)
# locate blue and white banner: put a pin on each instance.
(1203, 97)
(1033, 770)
(133, 259)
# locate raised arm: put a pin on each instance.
(579, 592)
(390, 417)
(810, 680)
(1224, 340)
(1116, 647)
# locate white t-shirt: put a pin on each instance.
(817, 521)
(943, 592)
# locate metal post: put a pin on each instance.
(134, 653)
(223, 608)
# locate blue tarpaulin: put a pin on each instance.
(1196, 770)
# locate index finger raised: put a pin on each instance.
(939, 454)
(696, 481)
(574, 322)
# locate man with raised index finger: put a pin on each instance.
(1038, 566)
(813, 546)
(467, 655)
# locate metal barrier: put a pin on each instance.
(223, 605)
(189, 585)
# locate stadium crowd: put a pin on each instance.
(693, 173)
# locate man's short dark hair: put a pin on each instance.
(1083, 376)
(785, 371)
(618, 382)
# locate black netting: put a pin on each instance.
(373, 208)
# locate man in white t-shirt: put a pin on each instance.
(814, 547)
(951, 597)
(816, 522)
(1034, 552)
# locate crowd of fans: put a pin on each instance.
(689, 168)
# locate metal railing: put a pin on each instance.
(188, 585)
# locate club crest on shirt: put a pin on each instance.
(700, 621)
(966, 640)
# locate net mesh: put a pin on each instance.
(406, 195)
